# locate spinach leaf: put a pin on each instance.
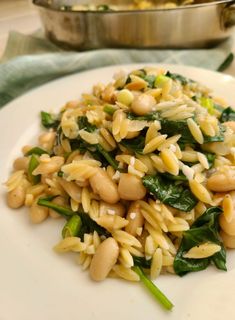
(172, 128)
(153, 289)
(142, 262)
(218, 107)
(36, 150)
(175, 195)
(128, 80)
(33, 163)
(150, 79)
(182, 265)
(136, 145)
(228, 114)
(175, 76)
(179, 177)
(49, 121)
(60, 173)
(107, 156)
(209, 216)
(72, 227)
(148, 117)
(226, 63)
(210, 158)
(81, 145)
(97, 151)
(83, 123)
(204, 229)
(89, 226)
(109, 109)
(103, 7)
(63, 211)
(207, 103)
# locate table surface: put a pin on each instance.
(21, 15)
(17, 15)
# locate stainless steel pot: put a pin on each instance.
(193, 26)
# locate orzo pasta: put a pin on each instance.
(142, 170)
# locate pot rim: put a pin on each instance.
(40, 4)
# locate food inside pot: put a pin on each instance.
(125, 5)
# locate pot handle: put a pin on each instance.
(229, 15)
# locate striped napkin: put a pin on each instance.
(31, 60)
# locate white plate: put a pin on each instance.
(37, 284)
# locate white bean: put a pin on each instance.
(16, 197)
(143, 104)
(221, 182)
(135, 218)
(104, 259)
(102, 185)
(228, 240)
(21, 163)
(131, 187)
(219, 148)
(38, 213)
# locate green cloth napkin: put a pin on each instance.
(31, 60)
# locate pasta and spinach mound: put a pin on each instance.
(143, 172)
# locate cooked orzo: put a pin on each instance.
(142, 169)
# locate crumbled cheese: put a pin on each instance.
(116, 175)
(135, 172)
(111, 212)
(203, 160)
(188, 172)
(157, 206)
(181, 164)
(132, 161)
(132, 215)
(172, 148)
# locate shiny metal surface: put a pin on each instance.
(194, 26)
